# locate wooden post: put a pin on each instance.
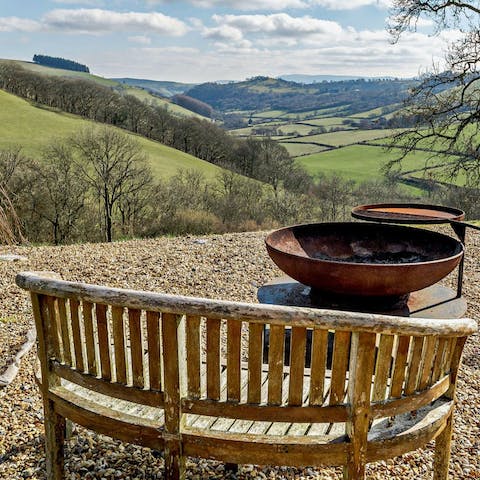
(54, 423)
(362, 355)
(174, 461)
(444, 440)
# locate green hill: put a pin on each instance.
(32, 127)
(137, 91)
(166, 89)
(261, 94)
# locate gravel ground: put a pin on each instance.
(228, 266)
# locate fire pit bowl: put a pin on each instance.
(363, 259)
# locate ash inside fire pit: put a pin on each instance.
(380, 258)
(363, 259)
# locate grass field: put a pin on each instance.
(358, 162)
(32, 128)
(346, 137)
(299, 149)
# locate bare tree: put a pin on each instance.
(58, 192)
(445, 105)
(113, 165)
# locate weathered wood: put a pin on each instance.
(443, 443)
(193, 356)
(234, 337)
(269, 413)
(413, 368)
(213, 359)
(359, 386)
(103, 342)
(297, 364)
(255, 413)
(174, 459)
(136, 348)
(89, 339)
(53, 327)
(275, 364)
(413, 402)
(427, 355)
(341, 349)
(400, 366)
(382, 368)
(62, 312)
(77, 339)
(255, 348)
(317, 367)
(132, 394)
(437, 368)
(119, 344)
(154, 357)
(222, 309)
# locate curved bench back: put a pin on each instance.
(395, 373)
(101, 347)
(205, 357)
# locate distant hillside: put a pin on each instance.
(264, 93)
(166, 89)
(137, 92)
(33, 127)
(325, 78)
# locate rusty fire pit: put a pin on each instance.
(363, 259)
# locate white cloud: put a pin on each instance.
(279, 24)
(224, 32)
(15, 24)
(140, 39)
(95, 3)
(351, 4)
(245, 5)
(103, 21)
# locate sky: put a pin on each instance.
(207, 40)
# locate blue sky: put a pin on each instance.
(207, 40)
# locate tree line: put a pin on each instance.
(58, 62)
(97, 186)
(195, 136)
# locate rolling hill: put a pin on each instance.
(32, 127)
(139, 91)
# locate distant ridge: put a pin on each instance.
(299, 78)
(163, 88)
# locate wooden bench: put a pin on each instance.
(186, 376)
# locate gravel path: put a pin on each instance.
(228, 266)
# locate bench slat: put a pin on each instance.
(400, 365)
(192, 338)
(103, 343)
(428, 355)
(213, 359)
(414, 365)
(136, 350)
(255, 348)
(297, 364)
(341, 349)
(89, 337)
(318, 366)
(77, 339)
(119, 345)
(234, 337)
(62, 312)
(382, 367)
(154, 354)
(275, 364)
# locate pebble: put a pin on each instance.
(232, 267)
